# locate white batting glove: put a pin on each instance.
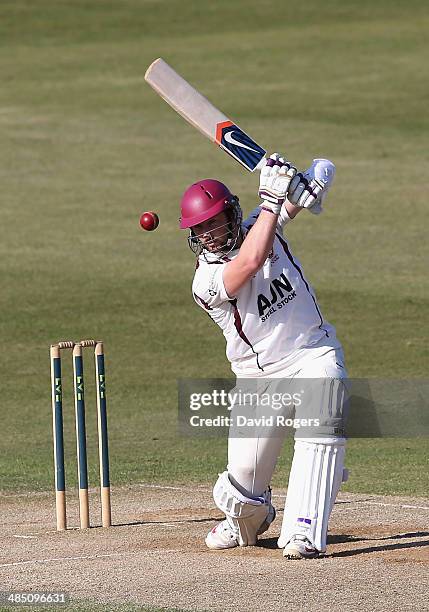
(309, 189)
(275, 178)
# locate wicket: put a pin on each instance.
(58, 432)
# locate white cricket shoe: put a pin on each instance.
(222, 536)
(300, 547)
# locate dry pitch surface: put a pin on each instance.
(378, 555)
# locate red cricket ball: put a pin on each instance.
(149, 221)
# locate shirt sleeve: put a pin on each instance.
(208, 287)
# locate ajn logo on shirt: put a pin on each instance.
(280, 293)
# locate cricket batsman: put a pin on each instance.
(243, 270)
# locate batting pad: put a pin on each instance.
(315, 478)
(247, 517)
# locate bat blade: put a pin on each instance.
(201, 113)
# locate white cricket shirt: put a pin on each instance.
(274, 318)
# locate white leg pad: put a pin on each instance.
(315, 478)
(247, 517)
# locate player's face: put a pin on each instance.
(214, 232)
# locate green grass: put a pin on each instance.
(85, 146)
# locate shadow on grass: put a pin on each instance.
(382, 548)
(271, 543)
(208, 519)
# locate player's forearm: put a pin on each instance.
(275, 178)
(292, 210)
(253, 252)
(259, 241)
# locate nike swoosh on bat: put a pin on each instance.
(230, 138)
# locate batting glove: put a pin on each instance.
(275, 179)
(309, 189)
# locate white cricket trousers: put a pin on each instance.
(252, 460)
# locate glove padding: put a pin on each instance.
(275, 178)
(309, 189)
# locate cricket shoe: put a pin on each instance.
(300, 547)
(222, 536)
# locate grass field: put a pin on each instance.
(86, 146)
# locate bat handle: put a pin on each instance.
(261, 164)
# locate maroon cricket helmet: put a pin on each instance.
(204, 200)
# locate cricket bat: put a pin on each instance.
(200, 113)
